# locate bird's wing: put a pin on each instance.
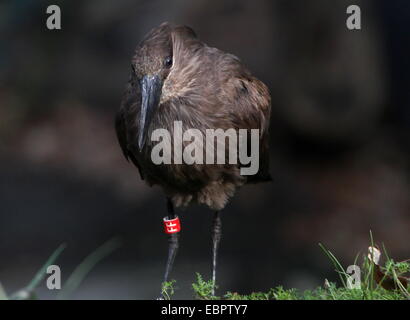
(255, 104)
(121, 129)
(250, 103)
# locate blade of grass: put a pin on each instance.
(356, 258)
(28, 291)
(336, 263)
(385, 251)
(400, 285)
(388, 268)
(42, 272)
(3, 294)
(81, 271)
(371, 267)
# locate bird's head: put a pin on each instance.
(151, 66)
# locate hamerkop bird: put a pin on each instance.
(176, 77)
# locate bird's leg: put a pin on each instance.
(216, 238)
(172, 244)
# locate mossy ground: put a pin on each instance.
(368, 289)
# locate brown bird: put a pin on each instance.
(177, 77)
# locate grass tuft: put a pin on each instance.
(377, 282)
(168, 289)
(203, 289)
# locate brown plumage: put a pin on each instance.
(205, 88)
(183, 79)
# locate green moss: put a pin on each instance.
(368, 289)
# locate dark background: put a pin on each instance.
(339, 144)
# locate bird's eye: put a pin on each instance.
(168, 62)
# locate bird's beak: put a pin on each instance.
(151, 87)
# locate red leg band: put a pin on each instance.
(172, 225)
